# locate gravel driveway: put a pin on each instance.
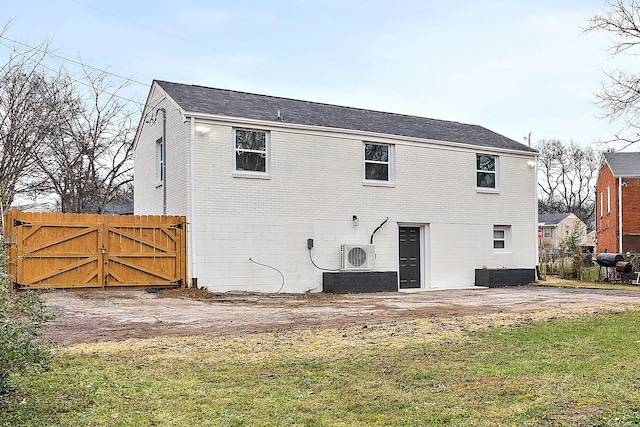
(115, 315)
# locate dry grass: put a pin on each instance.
(358, 339)
(566, 283)
(576, 367)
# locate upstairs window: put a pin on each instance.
(251, 151)
(486, 168)
(378, 162)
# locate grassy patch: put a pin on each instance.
(579, 371)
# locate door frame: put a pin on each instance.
(425, 258)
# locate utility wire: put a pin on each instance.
(318, 267)
(79, 63)
(273, 268)
(149, 27)
(73, 61)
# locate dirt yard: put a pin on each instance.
(115, 315)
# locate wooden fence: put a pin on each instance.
(56, 250)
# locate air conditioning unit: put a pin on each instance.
(357, 257)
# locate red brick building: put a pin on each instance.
(618, 203)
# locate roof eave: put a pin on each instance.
(147, 107)
(360, 133)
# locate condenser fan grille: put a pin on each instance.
(357, 257)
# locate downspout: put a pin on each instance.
(537, 222)
(192, 173)
(620, 212)
(163, 172)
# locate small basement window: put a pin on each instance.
(501, 238)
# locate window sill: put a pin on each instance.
(487, 190)
(502, 252)
(378, 184)
(251, 175)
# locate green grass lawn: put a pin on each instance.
(582, 372)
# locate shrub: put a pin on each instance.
(21, 316)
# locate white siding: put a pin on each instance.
(316, 187)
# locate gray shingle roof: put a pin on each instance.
(552, 219)
(623, 164)
(205, 100)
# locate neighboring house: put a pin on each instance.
(426, 203)
(590, 242)
(557, 227)
(618, 203)
(120, 207)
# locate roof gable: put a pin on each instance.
(205, 100)
(553, 219)
(623, 164)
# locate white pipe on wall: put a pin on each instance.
(620, 213)
(194, 231)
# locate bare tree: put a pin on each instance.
(620, 96)
(62, 136)
(566, 178)
(86, 161)
(25, 117)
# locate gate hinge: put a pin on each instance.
(17, 286)
(180, 226)
(18, 223)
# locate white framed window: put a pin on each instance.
(159, 162)
(501, 236)
(486, 172)
(608, 199)
(378, 162)
(251, 151)
(601, 206)
(547, 233)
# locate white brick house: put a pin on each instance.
(257, 176)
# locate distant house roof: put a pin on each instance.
(206, 100)
(623, 164)
(552, 219)
(124, 207)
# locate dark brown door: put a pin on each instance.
(409, 257)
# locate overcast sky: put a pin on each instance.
(511, 66)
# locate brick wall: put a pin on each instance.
(607, 214)
(148, 189)
(607, 211)
(314, 189)
(631, 215)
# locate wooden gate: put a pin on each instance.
(55, 250)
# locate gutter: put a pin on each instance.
(356, 134)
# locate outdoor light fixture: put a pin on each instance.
(532, 163)
(203, 130)
(356, 221)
